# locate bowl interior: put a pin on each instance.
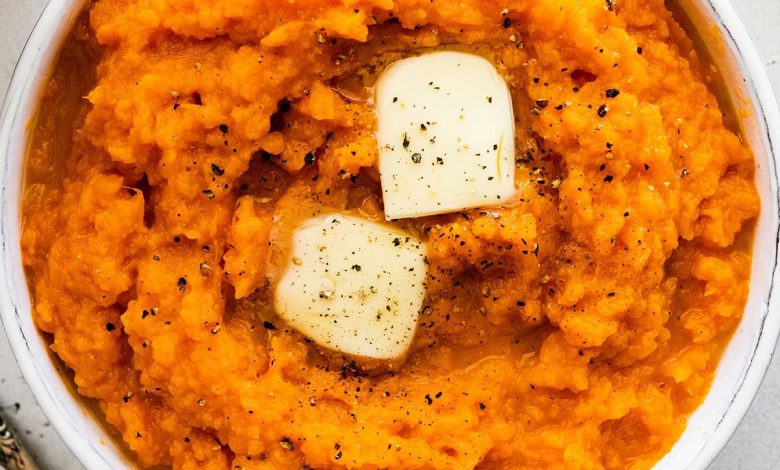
(739, 373)
(747, 356)
(75, 423)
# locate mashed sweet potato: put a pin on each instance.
(575, 327)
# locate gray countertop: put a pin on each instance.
(755, 446)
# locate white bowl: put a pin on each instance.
(738, 376)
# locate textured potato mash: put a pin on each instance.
(577, 325)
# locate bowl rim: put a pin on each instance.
(58, 15)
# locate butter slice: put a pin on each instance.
(353, 286)
(445, 129)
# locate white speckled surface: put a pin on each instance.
(755, 446)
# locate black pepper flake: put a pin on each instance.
(612, 93)
(428, 399)
(217, 170)
(356, 267)
(608, 178)
(268, 325)
(416, 157)
(507, 23)
(603, 110)
(640, 50)
(110, 327)
(224, 128)
(541, 104)
(309, 159)
(406, 141)
(286, 443)
(209, 193)
(482, 406)
(181, 283)
(395, 99)
(396, 242)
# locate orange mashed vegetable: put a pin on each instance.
(575, 327)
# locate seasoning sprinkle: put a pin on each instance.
(286, 443)
(326, 294)
(217, 170)
(205, 269)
